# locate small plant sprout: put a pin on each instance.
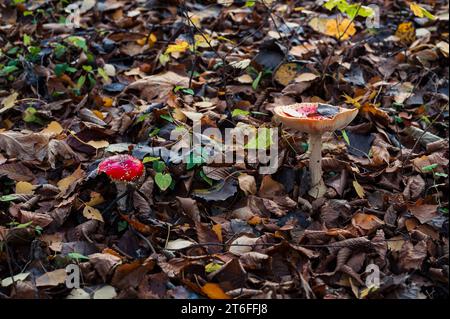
(315, 119)
(124, 171)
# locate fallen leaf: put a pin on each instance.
(92, 213)
(359, 189)
(247, 183)
(24, 188)
(52, 278)
(214, 291)
(9, 102)
(106, 292)
(179, 244)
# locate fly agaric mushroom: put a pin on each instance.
(123, 170)
(315, 119)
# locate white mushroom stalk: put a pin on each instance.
(315, 119)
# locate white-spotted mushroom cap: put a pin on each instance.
(315, 117)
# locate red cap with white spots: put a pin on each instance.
(123, 168)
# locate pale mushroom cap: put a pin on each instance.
(314, 125)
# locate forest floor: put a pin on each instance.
(82, 81)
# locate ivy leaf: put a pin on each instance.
(159, 166)
(163, 181)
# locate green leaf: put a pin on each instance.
(212, 267)
(8, 198)
(441, 174)
(26, 40)
(78, 42)
(8, 70)
(256, 81)
(167, 117)
(239, 112)
(429, 168)
(25, 225)
(149, 159)
(30, 116)
(159, 166)
(122, 225)
(206, 178)
(163, 59)
(87, 68)
(263, 140)
(80, 82)
(250, 3)
(60, 69)
(188, 91)
(163, 181)
(77, 256)
(103, 74)
(345, 136)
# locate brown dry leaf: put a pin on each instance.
(306, 77)
(131, 274)
(247, 184)
(157, 87)
(92, 213)
(415, 186)
(190, 208)
(242, 245)
(38, 219)
(16, 171)
(412, 256)
(52, 278)
(98, 144)
(53, 128)
(66, 183)
(366, 221)
(214, 291)
(25, 147)
(104, 264)
(253, 260)
(270, 188)
(424, 213)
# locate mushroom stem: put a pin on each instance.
(318, 188)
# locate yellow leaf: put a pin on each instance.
(92, 213)
(406, 32)
(98, 144)
(359, 189)
(99, 114)
(214, 291)
(178, 47)
(340, 29)
(416, 9)
(53, 128)
(64, 184)
(96, 199)
(9, 102)
(107, 101)
(217, 228)
(24, 188)
(420, 12)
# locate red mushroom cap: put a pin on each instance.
(125, 168)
